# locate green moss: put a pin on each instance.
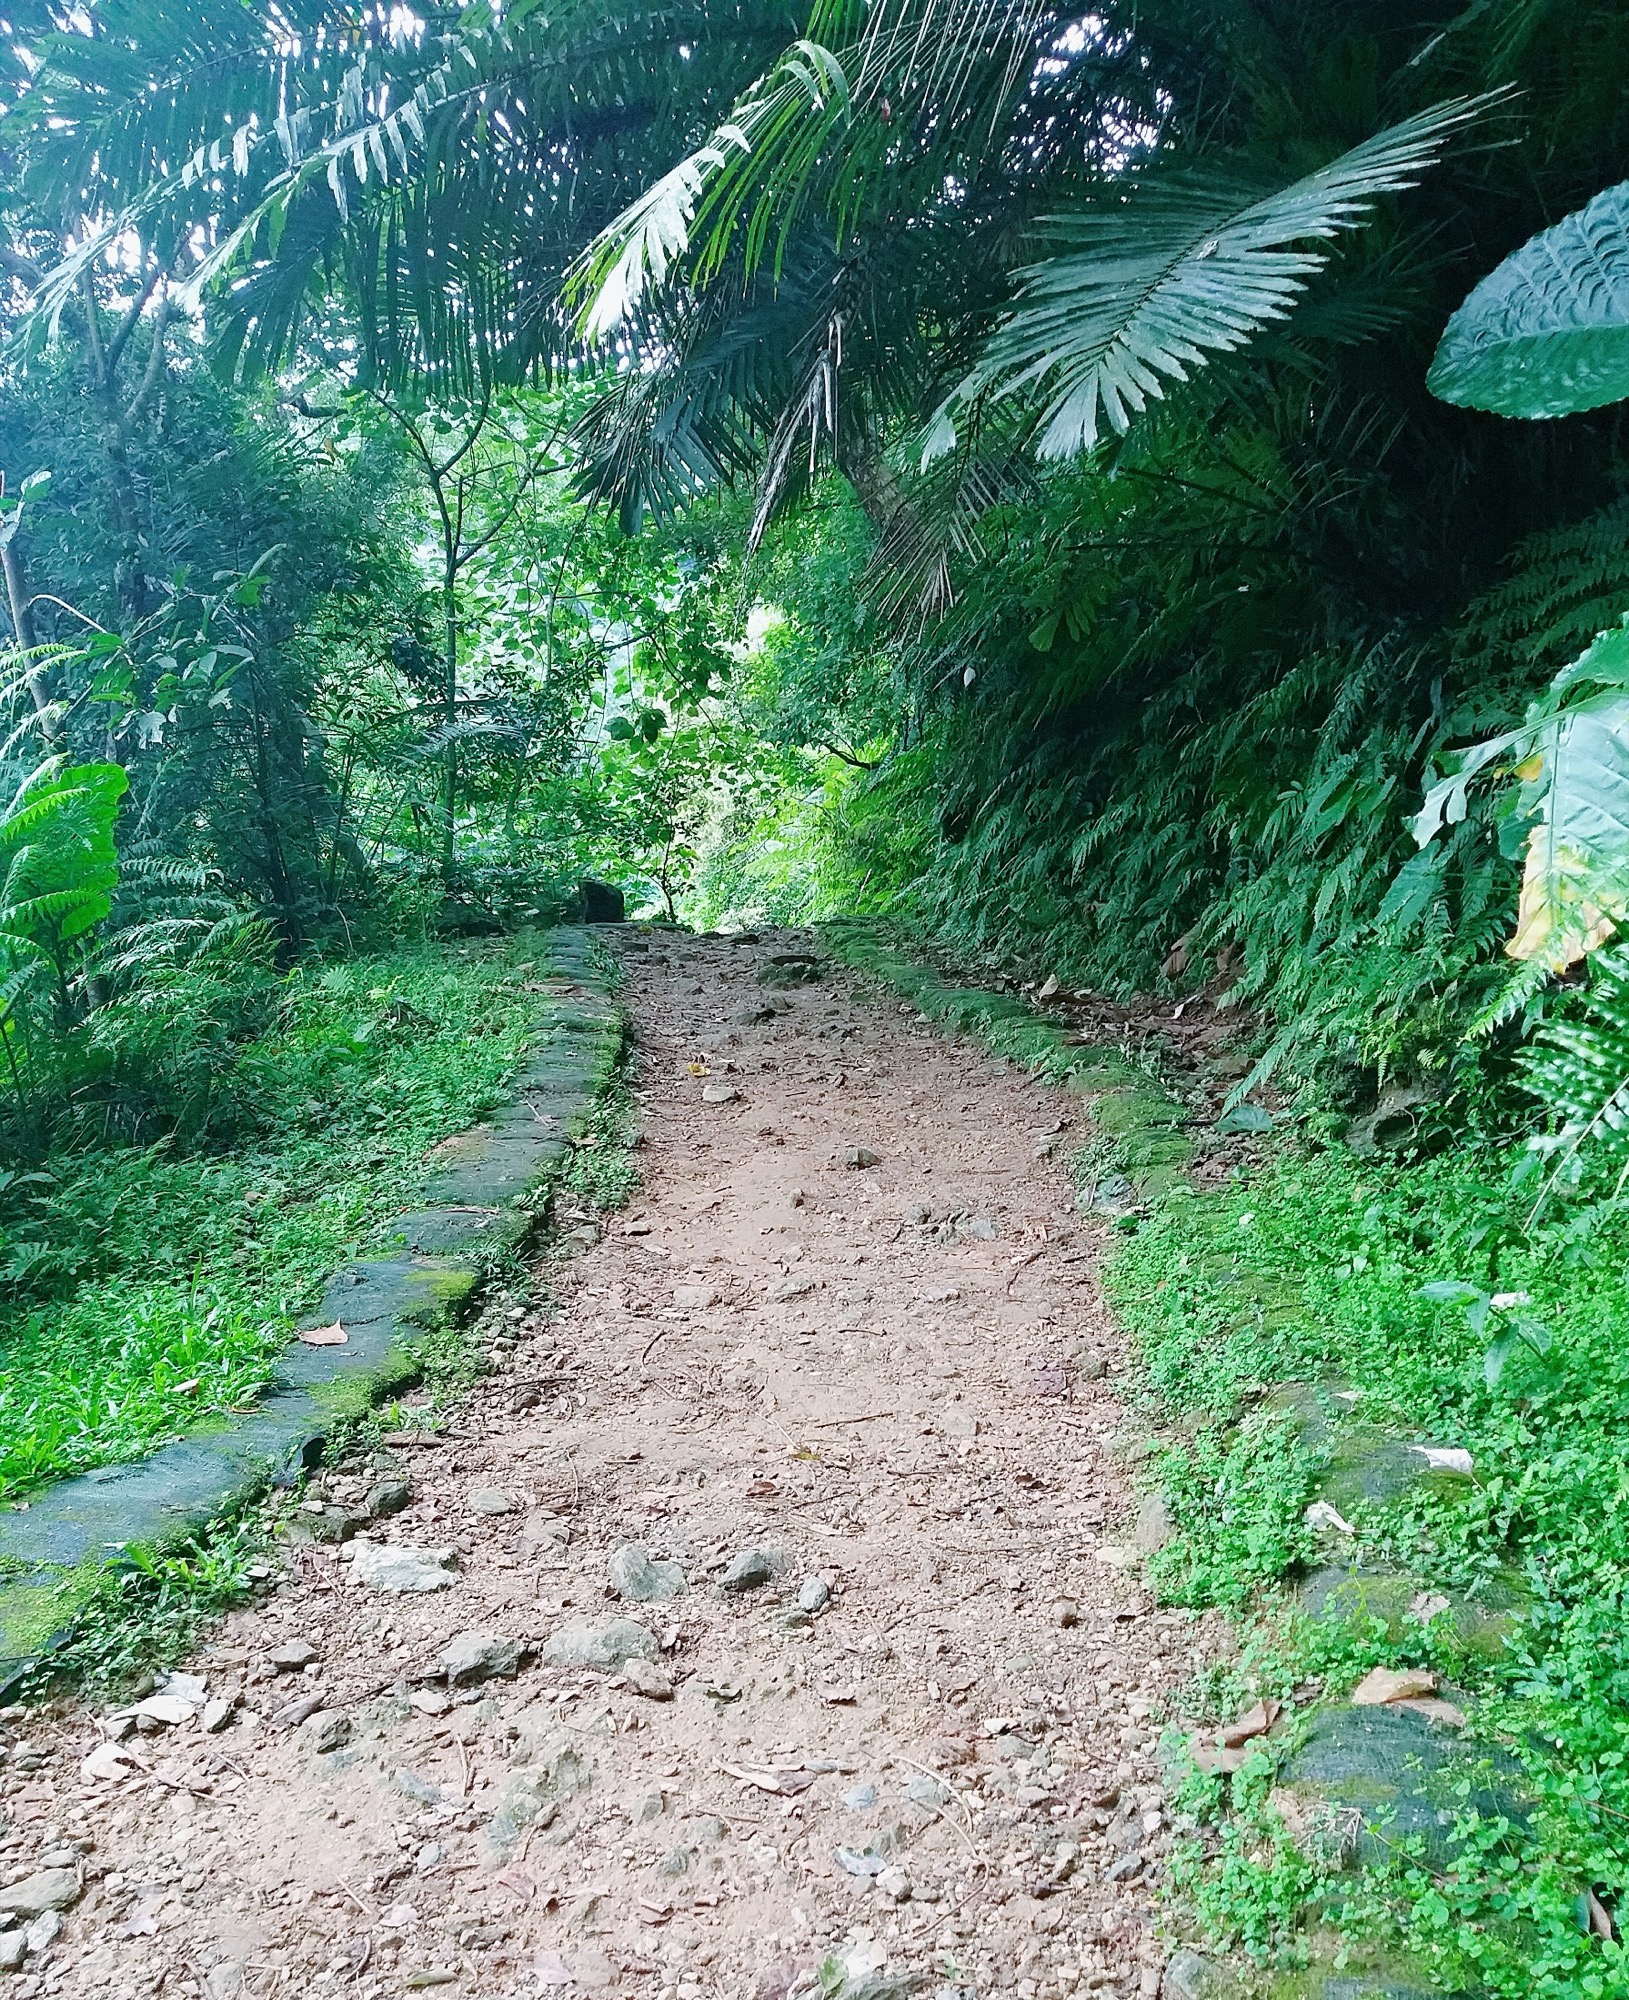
(36, 1611)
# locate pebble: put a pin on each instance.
(47, 1889)
(864, 1865)
(300, 1710)
(636, 1574)
(491, 1500)
(923, 1790)
(648, 1679)
(1065, 1612)
(1154, 1527)
(387, 1496)
(607, 1647)
(217, 1714)
(814, 1594)
(861, 1157)
(13, 1950)
(293, 1654)
(395, 1567)
(895, 1884)
(695, 1298)
(479, 1656)
(791, 1288)
(1090, 1365)
(751, 1570)
(165, 1711)
(541, 1534)
(326, 1730)
(862, 1798)
(719, 1093)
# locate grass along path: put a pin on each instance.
(164, 1284)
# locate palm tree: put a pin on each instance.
(787, 253)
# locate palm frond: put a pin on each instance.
(835, 126)
(1183, 267)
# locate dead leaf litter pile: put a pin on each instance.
(767, 1606)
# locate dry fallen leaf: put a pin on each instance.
(519, 1882)
(1382, 1685)
(1600, 1918)
(1436, 1710)
(783, 1784)
(325, 1336)
(1216, 1762)
(1254, 1722)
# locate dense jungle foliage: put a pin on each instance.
(398, 522)
(1138, 497)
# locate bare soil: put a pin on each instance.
(851, 1320)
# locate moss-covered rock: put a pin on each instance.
(1366, 1785)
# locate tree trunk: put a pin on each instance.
(449, 757)
(22, 624)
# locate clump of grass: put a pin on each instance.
(1314, 1268)
(159, 1285)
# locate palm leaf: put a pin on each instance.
(825, 127)
(1180, 269)
(1547, 333)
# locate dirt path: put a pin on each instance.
(847, 1338)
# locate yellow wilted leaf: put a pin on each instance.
(1552, 926)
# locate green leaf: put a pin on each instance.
(1450, 1292)
(1185, 266)
(1499, 1351)
(1245, 1118)
(1547, 333)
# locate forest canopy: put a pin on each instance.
(1111, 492)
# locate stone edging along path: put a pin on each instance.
(52, 1555)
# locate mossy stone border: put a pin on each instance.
(480, 1209)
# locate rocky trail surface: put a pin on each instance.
(766, 1608)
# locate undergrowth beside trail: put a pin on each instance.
(1311, 1270)
(152, 1287)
